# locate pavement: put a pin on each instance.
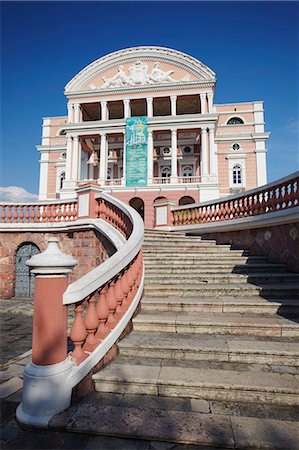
(16, 337)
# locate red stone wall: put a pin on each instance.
(280, 244)
(89, 248)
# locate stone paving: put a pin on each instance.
(16, 334)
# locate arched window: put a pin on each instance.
(235, 121)
(237, 175)
(187, 171)
(61, 180)
(186, 200)
(109, 173)
(166, 172)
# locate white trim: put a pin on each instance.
(43, 176)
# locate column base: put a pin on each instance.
(46, 392)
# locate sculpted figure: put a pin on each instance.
(158, 75)
(119, 79)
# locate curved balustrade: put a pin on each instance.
(39, 212)
(273, 197)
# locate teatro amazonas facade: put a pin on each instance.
(142, 124)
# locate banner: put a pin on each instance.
(136, 151)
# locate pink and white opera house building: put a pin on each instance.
(188, 149)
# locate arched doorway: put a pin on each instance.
(138, 204)
(186, 200)
(24, 284)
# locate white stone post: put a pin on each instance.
(213, 156)
(104, 110)
(77, 112)
(174, 168)
(75, 161)
(150, 156)
(69, 151)
(127, 108)
(149, 102)
(43, 175)
(203, 102)
(261, 163)
(204, 153)
(46, 390)
(103, 158)
(124, 161)
(210, 101)
(70, 112)
(173, 99)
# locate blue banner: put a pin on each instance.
(136, 151)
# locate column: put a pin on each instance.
(104, 110)
(150, 110)
(75, 161)
(203, 103)
(69, 151)
(204, 153)
(77, 112)
(213, 156)
(173, 99)
(124, 161)
(150, 156)
(174, 169)
(127, 109)
(210, 101)
(43, 175)
(103, 157)
(70, 112)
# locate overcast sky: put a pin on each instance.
(252, 46)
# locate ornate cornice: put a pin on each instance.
(142, 89)
(157, 54)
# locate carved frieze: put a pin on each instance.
(138, 74)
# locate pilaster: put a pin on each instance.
(174, 169)
(150, 153)
(173, 99)
(149, 102)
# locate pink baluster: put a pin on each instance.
(58, 213)
(102, 312)
(64, 213)
(131, 283)
(112, 304)
(119, 296)
(32, 215)
(15, 213)
(78, 335)
(3, 213)
(97, 209)
(38, 214)
(91, 324)
(125, 288)
(9, 214)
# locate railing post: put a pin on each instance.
(163, 213)
(45, 389)
(87, 204)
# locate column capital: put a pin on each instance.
(204, 128)
(174, 131)
(104, 102)
(202, 94)
(103, 134)
(150, 132)
(126, 100)
(173, 97)
(76, 138)
(149, 99)
(211, 127)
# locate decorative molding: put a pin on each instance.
(143, 53)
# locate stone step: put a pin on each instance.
(177, 251)
(153, 243)
(256, 305)
(288, 290)
(231, 278)
(152, 268)
(217, 323)
(208, 384)
(190, 260)
(184, 348)
(165, 421)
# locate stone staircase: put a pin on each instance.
(213, 356)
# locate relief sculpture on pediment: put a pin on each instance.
(138, 75)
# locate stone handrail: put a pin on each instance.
(58, 211)
(104, 302)
(280, 195)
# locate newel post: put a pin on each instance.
(163, 213)
(45, 389)
(87, 203)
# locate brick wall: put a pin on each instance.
(280, 244)
(89, 248)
